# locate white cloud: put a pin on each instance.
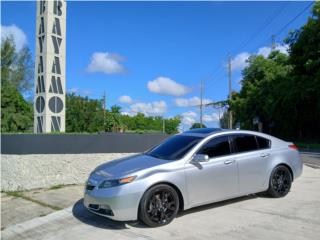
(155, 108)
(188, 118)
(191, 102)
(265, 51)
(106, 63)
(19, 37)
(125, 99)
(214, 117)
(127, 113)
(167, 86)
(73, 90)
(239, 62)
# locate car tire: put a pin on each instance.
(280, 182)
(159, 205)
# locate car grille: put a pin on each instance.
(96, 208)
(89, 187)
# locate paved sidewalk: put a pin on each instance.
(18, 207)
(297, 216)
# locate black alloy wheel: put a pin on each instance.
(280, 182)
(159, 205)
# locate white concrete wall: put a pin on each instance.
(24, 172)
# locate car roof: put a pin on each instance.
(205, 132)
(202, 132)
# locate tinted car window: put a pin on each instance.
(263, 142)
(174, 148)
(245, 143)
(216, 147)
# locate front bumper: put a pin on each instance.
(119, 203)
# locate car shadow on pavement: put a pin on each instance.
(219, 204)
(85, 216)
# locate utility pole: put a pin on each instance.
(230, 92)
(104, 110)
(201, 102)
(273, 42)
(163, 125)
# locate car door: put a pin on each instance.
(252, 159)
(215, 179)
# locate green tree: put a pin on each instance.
(16, 113)
(171, 125)
(197, 125)
(224, 120)
(260, 96)
(283, 92)
(16, 67)
(16, 76)
(84, 114)
(305, 76)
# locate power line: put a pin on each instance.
(267, 24)
(287, 24)
(257, 33)
(261, 29)
(295, 18)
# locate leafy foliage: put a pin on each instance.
(283, 92)
(197, 125)
(16, 112)
(88, 115)
(16, 67)
(83, 114)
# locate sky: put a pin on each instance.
(150, 57)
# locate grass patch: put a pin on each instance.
(14, 194)
(21, 195)
(58, 186)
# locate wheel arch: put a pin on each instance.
(287, 166)
(181, 199)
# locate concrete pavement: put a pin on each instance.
(297, 216)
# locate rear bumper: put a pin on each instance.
(117, 203)
(297, 167)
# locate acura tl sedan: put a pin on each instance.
(190, 169)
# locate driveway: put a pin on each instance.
(297, 216)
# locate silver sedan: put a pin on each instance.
(191, 169)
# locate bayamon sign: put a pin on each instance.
(50, 78)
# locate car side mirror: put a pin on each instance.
(200, 158)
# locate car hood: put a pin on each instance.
(125, 166)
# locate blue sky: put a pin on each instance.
(156, 53)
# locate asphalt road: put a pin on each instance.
(296, 216)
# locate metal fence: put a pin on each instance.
(78, 143)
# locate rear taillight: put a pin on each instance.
(293, 146)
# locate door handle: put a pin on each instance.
(264, 155)
(228, 162)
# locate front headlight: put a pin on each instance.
(117, 182)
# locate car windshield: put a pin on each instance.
(174, 148)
